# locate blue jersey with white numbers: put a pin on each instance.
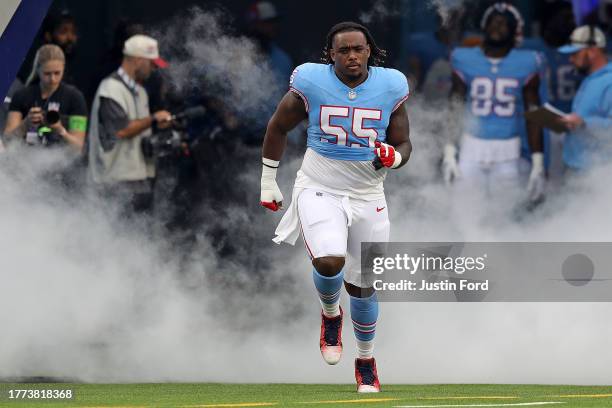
(494, 105)
(562, 80)
(345, 122)
(559, 82)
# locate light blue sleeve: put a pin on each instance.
(400, 89)
(300, 82)
(300, 78)
(604, 122)
(456, 62)
(536, 66)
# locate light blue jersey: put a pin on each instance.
(561, 80)
(558, 85)
(345, 122)
(494, 108)
(593, 103)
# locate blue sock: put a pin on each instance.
(364, 314)
(329, 292)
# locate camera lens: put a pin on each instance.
(52, 117)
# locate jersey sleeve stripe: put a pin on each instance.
(398, 104)
(460, 75)
(530, 77)
(306, 243)
(301, 95)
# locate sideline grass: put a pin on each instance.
(311, 395)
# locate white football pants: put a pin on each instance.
(335, 225)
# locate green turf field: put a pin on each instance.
(295, 395)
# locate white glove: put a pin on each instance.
(271, 196)
(537, 182)
(450, 168)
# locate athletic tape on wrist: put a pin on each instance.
(268, 170)
(537, 160)
(397, 161)
(270, 163)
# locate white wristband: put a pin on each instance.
(269, 168)
(397, 161)
(450, 151)
(270, 163)
(537, 160)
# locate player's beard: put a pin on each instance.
(140, 76)
(69, 49)
(356, 76)
(507, 42)
(583, 70)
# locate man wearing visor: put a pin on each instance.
(120, 119)
(589, 125)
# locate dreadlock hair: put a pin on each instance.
(377, 55)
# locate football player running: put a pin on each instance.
(492, 86)
(357, 130)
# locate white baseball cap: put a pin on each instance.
(144, 47)
(262, 11)
(583, 37)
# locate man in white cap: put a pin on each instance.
(589, 124)
(120, 120)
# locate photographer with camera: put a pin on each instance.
(120, 121)
(47, 111)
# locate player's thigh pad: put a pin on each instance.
(324, 223)
(370, 223)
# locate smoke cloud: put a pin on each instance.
(381, 10)
(446, 8)
(208, 56)
(89, 295)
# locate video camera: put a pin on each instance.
(172, 142)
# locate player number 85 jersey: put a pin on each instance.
(495, 106)
(344, 123)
